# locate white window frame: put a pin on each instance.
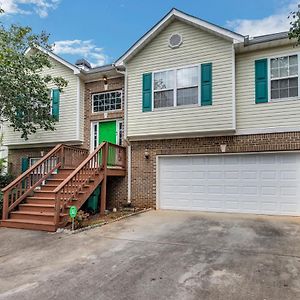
(107, 92)
(270, 79)
(175, 87)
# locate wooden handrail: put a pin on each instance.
(88, 169)
(66, 180)
(27, 172)
(60, 156)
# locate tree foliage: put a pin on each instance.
(294, 32)
(25, 102)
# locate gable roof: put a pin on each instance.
(56, 57)
(166, 20)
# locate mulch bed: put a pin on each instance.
(98, 220)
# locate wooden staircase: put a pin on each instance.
(40, 198)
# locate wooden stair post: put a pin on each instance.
(104, 181)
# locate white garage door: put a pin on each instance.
(249, 183)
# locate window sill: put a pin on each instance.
(106, 112)
(284, 100)
(176, 107)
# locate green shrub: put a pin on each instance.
(5, 179)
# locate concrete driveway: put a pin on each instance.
(157, 255)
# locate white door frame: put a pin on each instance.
(95, 127)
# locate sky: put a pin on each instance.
(101, 31)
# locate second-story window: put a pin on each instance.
(284, 77)
(107, 101)
(164, 89)
(176, 87)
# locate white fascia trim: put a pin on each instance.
(57, 58)
(236, 38)
(267, 130)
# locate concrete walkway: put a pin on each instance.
(157, 255)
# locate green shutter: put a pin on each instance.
(261, 81)
(55, 104)
(25, 164)
(206, 84)
(147, 92)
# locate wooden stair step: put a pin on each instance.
(34, 215)
(29, 224)
(36, 207)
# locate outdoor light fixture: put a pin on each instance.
(223, 147)
(147, 154)
(105, 82)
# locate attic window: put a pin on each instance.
(175, 40)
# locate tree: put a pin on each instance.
(25, 102)
(294, 32)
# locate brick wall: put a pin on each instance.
(98, 87)
(143, 183)
(116, 186)
(15, 157)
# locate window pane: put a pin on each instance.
(274, 94)
(293, 82)
(187, 96)
(274, 73)
(284, 93)
(283, 72)
(293, 70)
(283, 84)
(293, 60)
(293, 92)
(187, 77)
(274, 63)
(163, 99)
(274, 84)
(164, 80)
(283, 62)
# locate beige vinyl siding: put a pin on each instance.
(277, 114)
(66, 128)
(198, 47)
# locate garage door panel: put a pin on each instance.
(251, 183)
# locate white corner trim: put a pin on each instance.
(126, 105)
(178, 14)
(233, 90)
(78, 102)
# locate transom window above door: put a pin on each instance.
(176, 87)
(284, 77)
(107, 101)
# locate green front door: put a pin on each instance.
(108, 132)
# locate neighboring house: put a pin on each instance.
(212, 119)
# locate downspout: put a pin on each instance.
(125, 132)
